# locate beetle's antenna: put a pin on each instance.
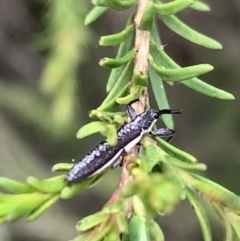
(133, 101)
(168, 111)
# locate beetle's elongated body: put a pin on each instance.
(105, 156)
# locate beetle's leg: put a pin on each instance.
(131, 111)
(118, 162)
(164, 132)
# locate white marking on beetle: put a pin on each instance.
(108, 164)
(133, 143)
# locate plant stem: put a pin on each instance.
(142, 41)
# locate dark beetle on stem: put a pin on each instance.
(105, 156)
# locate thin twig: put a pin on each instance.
(142, 41)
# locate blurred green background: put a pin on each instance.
(50, 79)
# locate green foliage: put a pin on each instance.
(26, 200)
(32, 198)
(115, 4)
(122, 51)
(200, 6)
(94, 14)
(201, 214)
(188, 33)
(147, 18)
(160, 176)
(115, 63)
(172, 7)
(56, 99)
(115, 39)
(64, 37)
(172, 75)
(193, 83)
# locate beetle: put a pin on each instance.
(104, 156)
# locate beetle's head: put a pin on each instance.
(148, 118)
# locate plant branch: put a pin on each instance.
(142, 41)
